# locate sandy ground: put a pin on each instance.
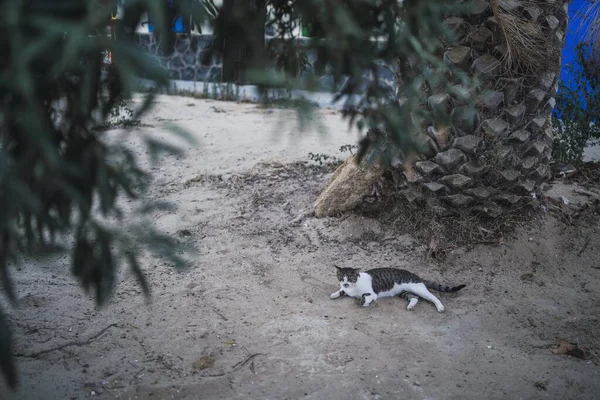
(256, 298)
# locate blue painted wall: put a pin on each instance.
(575, 32)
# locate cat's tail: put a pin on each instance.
(443, 288)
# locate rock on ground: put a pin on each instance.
(347, 187)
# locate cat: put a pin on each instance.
(369, 285)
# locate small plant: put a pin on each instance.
(121, 112)
(321, 158)
(570, 141)
(286, 102)
(121, 115)
(348, 148)
(220, 91)
(324, 162)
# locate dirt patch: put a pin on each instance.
(255, 300)
(444, 234)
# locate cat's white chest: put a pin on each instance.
(363, 285)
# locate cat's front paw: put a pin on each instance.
(334, 295)
(440, 308)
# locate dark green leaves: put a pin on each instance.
(59, 175)
(7, 363)
(358, 44)
(93, 261)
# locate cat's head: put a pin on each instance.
(347, 276)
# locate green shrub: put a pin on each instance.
(575, 121)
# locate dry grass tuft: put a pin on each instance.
(590, 21)
(528, 48)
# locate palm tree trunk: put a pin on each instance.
(498, 157)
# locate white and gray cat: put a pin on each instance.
(369, 285)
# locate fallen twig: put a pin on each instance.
(78, 344)
(135, 376)
(585, 245)
(219, 314)
(244, 361)
(114, 387)
(250, 357)
(302, 216)
(215, 375)
(587, 193)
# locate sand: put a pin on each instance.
(251, 317)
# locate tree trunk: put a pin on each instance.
(243, 49)
(498, 158)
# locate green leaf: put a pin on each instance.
(7, 363)
(139, 275)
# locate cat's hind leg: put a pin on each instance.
(411, 298)
(412, 303)
(367, 298)
(421, 290)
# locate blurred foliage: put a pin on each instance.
(61, 178)
(356, 40)
(575, 118)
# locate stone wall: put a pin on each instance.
(385, 73)
(186, 61)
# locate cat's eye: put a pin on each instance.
(346, 285)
